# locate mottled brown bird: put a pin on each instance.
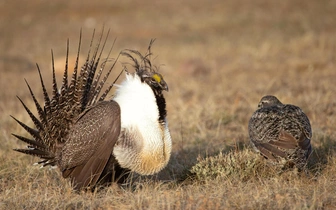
(281, 132)
(94, 141)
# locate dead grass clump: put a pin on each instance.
(243, 165)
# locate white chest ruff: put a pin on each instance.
(145, 146)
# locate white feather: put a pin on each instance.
(140, 114)
(138, 107)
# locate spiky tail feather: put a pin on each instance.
(62, 109)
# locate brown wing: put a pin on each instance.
(299, 126)
(285, 141)
(264, 128)
(90, 144)
(276, 147)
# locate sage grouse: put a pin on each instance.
(281, 132)
(94, 141)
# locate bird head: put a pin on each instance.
(145, 70)
(153, 79)
(268, 101)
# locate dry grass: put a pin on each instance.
(220, 58)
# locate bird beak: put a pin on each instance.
(164, 85)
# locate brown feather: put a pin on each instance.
(304, 142)
(85, 164)
(271, 149)
(285, 141)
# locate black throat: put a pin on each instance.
(161, 103)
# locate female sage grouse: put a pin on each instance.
(281, 132)
(94, 141)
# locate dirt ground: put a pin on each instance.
(218, 58)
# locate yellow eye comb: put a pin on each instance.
(157, 78)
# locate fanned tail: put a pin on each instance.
(55, 117)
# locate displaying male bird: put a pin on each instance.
(281, 132)
(94, 141)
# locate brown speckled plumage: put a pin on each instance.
(280, 132)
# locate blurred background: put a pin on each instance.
(218, 57)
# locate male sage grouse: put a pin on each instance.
(281, 132)
(94, 141)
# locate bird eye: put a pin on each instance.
(261, 104)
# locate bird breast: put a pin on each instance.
(144, 144)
